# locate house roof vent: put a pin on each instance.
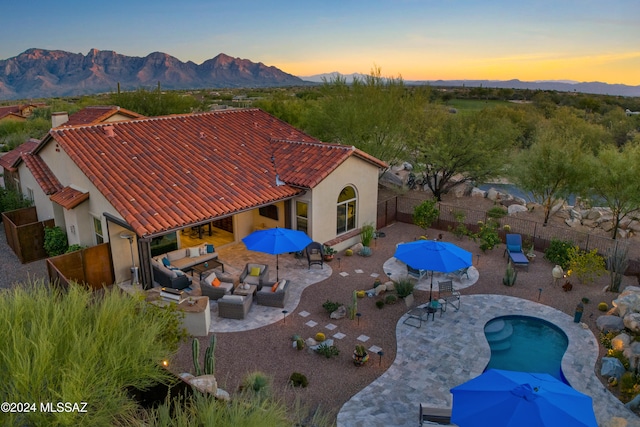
(109, 131)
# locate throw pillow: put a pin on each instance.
(274, 287)
(513, 248)
(166, 262)
(209, 249)
(255, 271)
(194, 252)
(216, 282)
(281, 284)
(203, 250)
(177, 271)
(210, 278)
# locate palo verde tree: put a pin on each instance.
(613, 177)
(451, 149)
(370, 113)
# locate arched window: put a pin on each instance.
(346, 210)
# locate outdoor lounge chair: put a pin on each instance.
(315, 254)
(435, 415)
(516, 254)
(416, 315)
(448, 294)
(414, 272)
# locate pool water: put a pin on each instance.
(526, 344)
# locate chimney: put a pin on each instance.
(59, 118)
(108, 130)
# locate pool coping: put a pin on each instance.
(460, 353)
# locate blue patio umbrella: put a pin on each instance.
(432, 255)
(276, 241)
(500, 398)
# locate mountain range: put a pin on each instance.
(40, 73)
(597, 88)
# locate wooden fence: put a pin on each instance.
(25, 234)
(91, 266)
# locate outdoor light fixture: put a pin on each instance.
(284, 316)
(380, 353)
(358, 315)
(134, 269)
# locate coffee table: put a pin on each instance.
(206, 266)
(239, 290)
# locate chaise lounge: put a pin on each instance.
(516, 254)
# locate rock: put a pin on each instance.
(463, 190)
(476, 192)
(493, 194)
(609, 323)
(612, 367)
(340, 312)
(632, 321)
(621, 341)
(628, 301)
(223, 395)
(556, 207)
(514, 209)
(205, 383)
(592, 214)
(380, 289)
(310, 342)
(573, 213)
(407, 166)
(633, 354)
(389, 286)
(356, 248)
(616, 422)
(572, 222)
(186, 376)
(391, 178)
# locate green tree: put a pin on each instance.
(452, 149)
(614, 175)
(155, 103)
(370, 114)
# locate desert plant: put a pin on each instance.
(353, 308)
(617, 263)
(603, 306)
(390, 299)
(55, 241)
(195, 356)
(360, 350)
(488, 235)
(380, 303)
(628, 381)
(331, 306)
(558, 252)
(320, 337)
(496, 212)
(348, 252)
(299, 343)
(586, 265)
(298, 380)
(209, 358)
(256, 382)
(510, 275)
(328, 250)
(328, 351)
(404, 287)
(425, 214)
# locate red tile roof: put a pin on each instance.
(10, 110)
(8, 160)
(42, 174)
(99, 114)
(164, 173)
(69, 197)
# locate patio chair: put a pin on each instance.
(414, 272)
(249, 275)
(315, 254)
(459, 274)
(435, 415)
(448, 294)
(416, 315)
(516, 254)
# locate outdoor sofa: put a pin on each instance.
(186, 258)
(168, 278)
(234, 306)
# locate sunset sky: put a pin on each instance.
(581, 40)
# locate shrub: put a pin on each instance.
(585, 265)
(11, 200)
(257, 383)
(558, 252)
(497, 212)
(74, 247)
(603, 306)
(488, 235)
(605, 339)
(55, 241)
(380, 303)
(404, 287)
(331, 306)
(298, 380)
(367, 233)
(390, 299)
(328, 351)
(425, 214)
(627, 382)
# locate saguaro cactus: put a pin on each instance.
(195, 350)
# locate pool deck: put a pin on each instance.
(452, 349)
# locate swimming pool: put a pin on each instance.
(526, 344)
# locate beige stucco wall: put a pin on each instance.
(363, 176)
(40, 200)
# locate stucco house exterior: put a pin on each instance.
(155, 177)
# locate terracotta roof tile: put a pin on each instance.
(42, 174)
(9, 160)
(164, 173)
(69, 197)
(98, 114)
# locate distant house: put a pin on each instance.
(9, 162)
(167, 179)
(16, 112)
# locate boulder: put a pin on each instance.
(356, 248)
(340, 312)
(205, 383)
(380, 289)
(476, 192)
(609, 323)
(633, 354)
(556, 207)
(391, 178)
(223, 395)
(572, 222)
(628, 301)
(389, 286)
(620, 342)
(612, 367)
(310, 342)
(516, 208)
(632, 321)
(493, 194)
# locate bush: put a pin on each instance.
(55, 241)
(11, 200)
(390, 299)
(585, 265)
(328, 351)
(558, 252)
(380, 303)
(257, 383)
(627, 382)
(74, 247)
(331, 306)
(404, 287)
(488, 235)
(425, 214)
(497, 212)
(298, 380)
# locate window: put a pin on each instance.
(346, 214)
(302, 217)
(30, 194)
(270, 211)
(97, 229)
(164, 244)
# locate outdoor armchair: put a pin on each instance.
(248, 274)
(315, 254)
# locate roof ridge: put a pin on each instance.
(315, 143)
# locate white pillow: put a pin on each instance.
(209, 279)
(281, 285)
(203, 250)
(233, 298)
(194, 252)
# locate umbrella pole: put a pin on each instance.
(431, 286)
(277, 268)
